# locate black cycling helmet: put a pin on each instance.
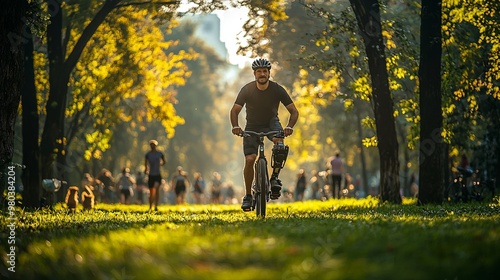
(261, 63)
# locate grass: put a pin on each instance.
(335, 239)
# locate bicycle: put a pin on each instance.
(261, 190)
(480, 189)
(50, 187)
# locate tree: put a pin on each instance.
(431, 125)
(125, 76)
(30, 129)
(14, 17)
(470, 83)
(62, 61)
(368, 19)
(60, 67)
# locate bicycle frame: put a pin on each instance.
(261, 187)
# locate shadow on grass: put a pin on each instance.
(432, 243)
(295, 241)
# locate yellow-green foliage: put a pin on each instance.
(126, 73)
(310, 98)
(483, 15)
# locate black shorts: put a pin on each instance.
(152, 179)
(180, 188)
(126, 192)
(251, 144)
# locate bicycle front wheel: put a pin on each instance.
(261, 186)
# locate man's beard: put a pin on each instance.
(263, 83)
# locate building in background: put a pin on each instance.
(209, 30)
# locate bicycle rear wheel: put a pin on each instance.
(261, 186)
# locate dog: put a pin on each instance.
(88, 197)
(72, 198)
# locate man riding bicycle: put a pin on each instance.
(262, 98)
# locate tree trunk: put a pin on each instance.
(11, 63)
(53, 144)
(53, 132)
(368, 18)
(362, 157)
(446, 172)
(432, 165)
(497, 170)
(406, 188)
(30, 128)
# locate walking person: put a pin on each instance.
(140, 181)
(180, 181)
(262, 98)
(216, 188)
(153, 160)
(199, 187)
(125, 184)
(315, 187)
(107, 180)
(300, 187)
(337, 168)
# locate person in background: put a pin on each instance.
(125, 184)
(216, 188)
(464, 163)
(198, 187)
(337, 168)
(229, 193)
(153, 160)
(300, 187)
(107, 180)
(180, 182)
(315, 185)
(140, 181)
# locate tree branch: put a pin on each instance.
(87, 33)
(66, 39)
(149, 2)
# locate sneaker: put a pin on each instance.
(275, 188)
(247, 203)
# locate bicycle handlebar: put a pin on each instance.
(275, 133)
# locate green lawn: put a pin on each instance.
(336, 239)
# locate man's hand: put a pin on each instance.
(237, 130)
(288, 131)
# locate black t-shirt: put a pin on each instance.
(107, 181)
(262, 105)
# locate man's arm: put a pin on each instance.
(146, 171)
(162, 162)
(233, 116)
(294, 116)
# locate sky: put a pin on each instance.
(232, 21)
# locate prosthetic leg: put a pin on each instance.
(278, 159)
